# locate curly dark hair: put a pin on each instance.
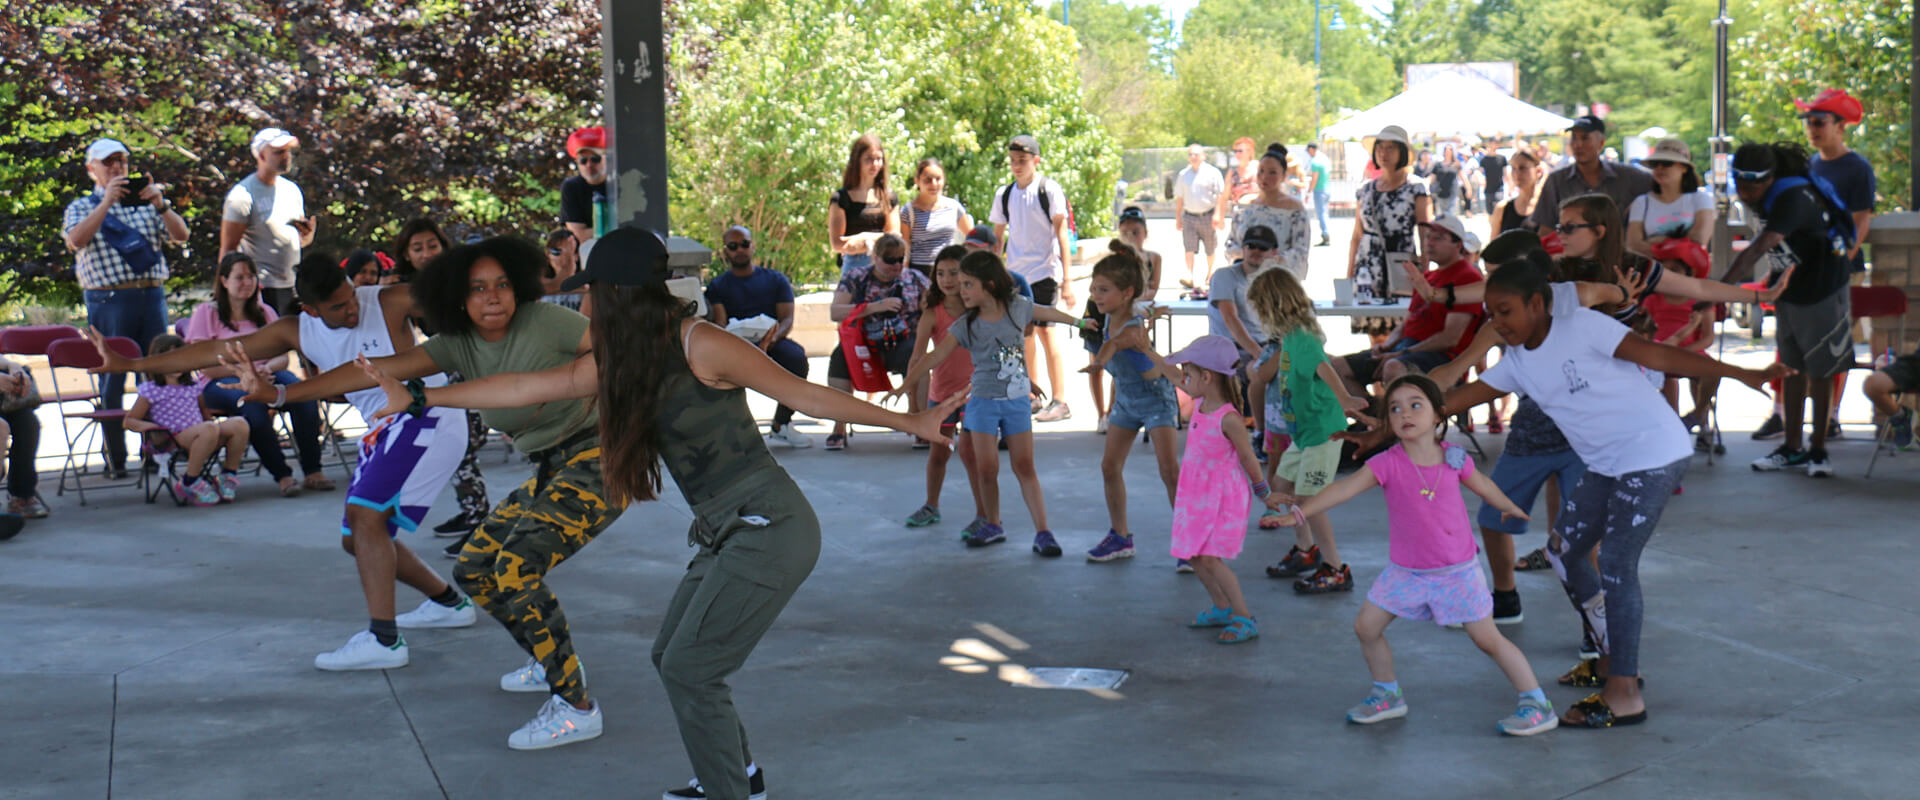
(440, 290)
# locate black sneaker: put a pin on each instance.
(459, 525)
(1506, 607)
(1782, 457)
(1297, 562)
(1326, 580)
(1817, 464)
(1773, 428)
(1834, 431)
(756, 789)
(1588, 650)
(453, 550)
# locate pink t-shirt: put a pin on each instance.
(1427, 524)
(205, 324)
(173, 406)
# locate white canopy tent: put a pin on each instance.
(1449, 106)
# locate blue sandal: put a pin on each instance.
(1213, 617)
(1239, 629)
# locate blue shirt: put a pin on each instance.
(1853, 178)
(750, 296)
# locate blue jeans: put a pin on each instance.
(224, 395)
(140, 315)
(1320, 201)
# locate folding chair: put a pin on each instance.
(82, 429)
(33, 340)
(1876, 302)
(153, 445)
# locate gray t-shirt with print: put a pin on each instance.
(999, 361)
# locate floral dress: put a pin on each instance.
(1389, 217)
(1290, 229)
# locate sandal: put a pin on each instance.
(1534, 561)
(1213, 617)
(318, 482)
(1586, 675)
(1595, 714)
(836, 441)
(289, 487)
(1239, 629)
(1273, 519)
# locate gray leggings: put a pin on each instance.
(1618, 515)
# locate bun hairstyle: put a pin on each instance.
(1277, 152)
(1124, 267)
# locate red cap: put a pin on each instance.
(1833, 101)
(1685, 251)
(594, 137)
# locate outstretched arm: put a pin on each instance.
(578, 378)
(405, 365)
(1675, 361)
(1480, 484)
(277, 338)
(1339, 492)
(1453, 371)
(1470, 395)
(720, 357)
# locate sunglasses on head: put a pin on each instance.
(1751, 176)
(740, 245)
(590, 158)
(1567, 228)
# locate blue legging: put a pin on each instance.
(1618, 515)
(222, 396)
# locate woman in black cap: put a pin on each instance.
(673, 388)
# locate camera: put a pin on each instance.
(136, 184)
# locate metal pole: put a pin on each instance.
(1066, 13)
(1913, 116)
(1722, 251)
(633, 74)
(1316, 69)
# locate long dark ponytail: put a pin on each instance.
(637, 349)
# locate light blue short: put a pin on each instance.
(1001, 417)
(1144, 406)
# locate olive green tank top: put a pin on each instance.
(708, 437)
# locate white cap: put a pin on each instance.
(272, 137)
(1472, 243)
(1450, 224)
(102, 148)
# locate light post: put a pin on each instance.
(1337, 24)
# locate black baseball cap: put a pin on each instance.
(982, 235)
(624, 257)
(1512, 245)
(1261, 235)
(1589, 124)
(1024, 144)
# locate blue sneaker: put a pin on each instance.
(1180, 566)
(971, 527)
(988, 533)
(1044, 544)
(1112, 547)
(1900, 430)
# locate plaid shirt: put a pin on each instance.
(97, 265)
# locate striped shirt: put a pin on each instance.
(98, 265)
(931, 230)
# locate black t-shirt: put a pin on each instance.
(1444, 176)
(1800, 216)
(1495, 167)
(861, 217)
(1852, 177)
(577, 199)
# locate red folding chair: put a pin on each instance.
(83, 428)
(1877, 302)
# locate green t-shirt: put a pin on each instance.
(1315, 412)
(541, 336)
(1320, 174)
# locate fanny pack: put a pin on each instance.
(141, 255)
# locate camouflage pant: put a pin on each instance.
(544, 522)
(469, 486)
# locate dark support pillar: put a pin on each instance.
(1913, 113)
(634, 75)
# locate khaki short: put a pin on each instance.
(1310, 469)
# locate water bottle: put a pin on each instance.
(1885, 359)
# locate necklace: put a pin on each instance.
(1426, 489)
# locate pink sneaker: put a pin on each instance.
(199, 492)
(229, 488)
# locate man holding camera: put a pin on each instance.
(265, 216)
(115, 233)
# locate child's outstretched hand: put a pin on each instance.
(1357, 409)
(1374, 436)
(1758, 378)
(1513, 513)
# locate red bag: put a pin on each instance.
(864, 367)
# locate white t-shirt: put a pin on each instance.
(1613, 417)
(1673, 219)
(1199, 188)
(1033, 252)
(273, 243)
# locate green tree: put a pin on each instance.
(1231, 87)
(1355, 71)
(1126, 55)
(1804, 46)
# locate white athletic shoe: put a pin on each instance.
(791, 438)
(433, 615)
(363, 652)
(530, 678)
(557, 723)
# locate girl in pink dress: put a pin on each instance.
(1219, 477)
(172, 403)
(1432, 573)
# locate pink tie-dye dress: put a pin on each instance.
(1211, 504)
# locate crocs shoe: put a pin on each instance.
(1530, 718)
(927, 515)
(1112, 547)
(988, 533)
(1045, 545)
(1379, 706)
(1213, 617)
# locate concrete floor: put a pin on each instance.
(161, 652)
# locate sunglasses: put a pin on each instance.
(894, 261)
(1257, 247)
(740, 245)
(588, 159)
(1819, 121)
(1567, 228)
(555, 251)
(1751, 176)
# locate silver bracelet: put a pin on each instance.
(279, 396)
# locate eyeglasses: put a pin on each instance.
(589, 158)
(894, 261)
(1567, 228)
(1751, 176)
(740, 245)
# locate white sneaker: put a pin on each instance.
(530, 678)
(1100, 427)
(433, 615)
(363, 652)
(557, 723)
(791, 438)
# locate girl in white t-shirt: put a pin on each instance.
(1676, 208)
(1584, 370)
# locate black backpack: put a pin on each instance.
(1046, 205)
